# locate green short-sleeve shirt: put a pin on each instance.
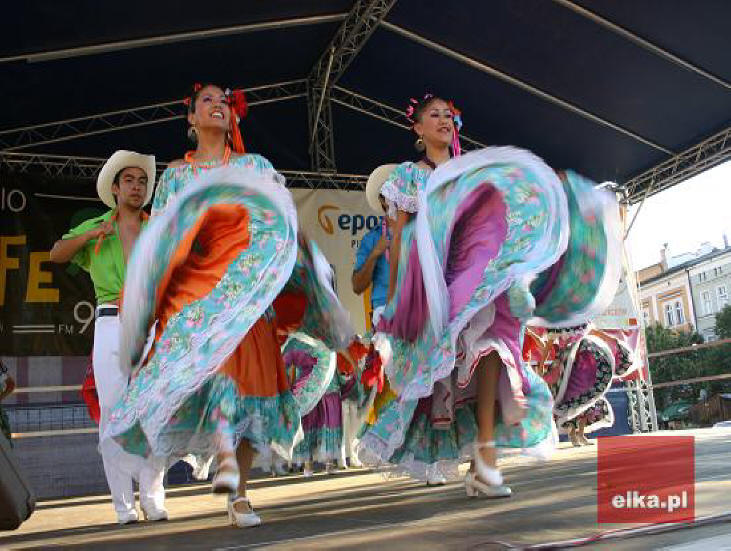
(106, 267)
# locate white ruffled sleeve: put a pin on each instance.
(400, 190)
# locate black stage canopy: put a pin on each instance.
(609, 88)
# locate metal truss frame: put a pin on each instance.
(642, 413)
(710, 152)
(87, 168)
(359, 25)
(17, 139)
(165, 39)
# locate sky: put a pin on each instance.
(683, 216)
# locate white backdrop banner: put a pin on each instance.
(337, 220)
(624, 312)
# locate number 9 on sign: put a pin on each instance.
(84, 314)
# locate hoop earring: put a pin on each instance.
(192, 134)
(419, 144)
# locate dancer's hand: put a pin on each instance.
(107, 228)
(382, 246)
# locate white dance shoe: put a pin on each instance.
(246, 519)
(486, 480)
(434, 477)
(153, 513)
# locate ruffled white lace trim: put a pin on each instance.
(398, 200)
(449, 469)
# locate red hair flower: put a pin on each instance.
(237, 101)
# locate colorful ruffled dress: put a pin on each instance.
(220, 271)
(579, 368)
(322, 424)
(486, 226)
(601, 414)
(582, 378)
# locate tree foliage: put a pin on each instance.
(723, 322)
(690, 364)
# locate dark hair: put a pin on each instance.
(423, 105)
(115, 181)
(118, 176)
(194, 93)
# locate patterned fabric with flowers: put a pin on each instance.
(590, 266)
(528, 238)
(175, 179)
(426, 445)
(314, 366)
(530, 227)
(588, 369)
(402, 187)
(177, 402)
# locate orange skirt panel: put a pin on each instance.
(256, 366)
(199, 263)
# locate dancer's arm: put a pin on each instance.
(402, 219)
(363, 277)
(65, 249)
(545, 353)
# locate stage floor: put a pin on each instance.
(357, 509)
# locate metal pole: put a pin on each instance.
(641, 406)
(323, 91)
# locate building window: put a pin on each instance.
(669, 316)
(702, 277)
(722, 296)
(679, 317)
(707, 304)
(646, 317)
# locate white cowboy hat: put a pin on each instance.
(119, 161)
(373, 187)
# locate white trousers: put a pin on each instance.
(351, 426)
(110, 384)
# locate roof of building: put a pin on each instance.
(686, 265)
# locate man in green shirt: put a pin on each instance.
(102, 246)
